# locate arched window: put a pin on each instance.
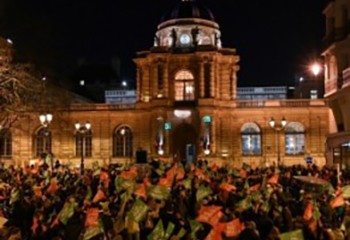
(122, 142)
(5, 143)
(295, 138)
(251, 139)
(83, 143)
(184, 86)
(43, 140)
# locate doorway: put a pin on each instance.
(183, 135)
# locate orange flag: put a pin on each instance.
(308, 212)
(100, 195)
(37, 191)
(233, 228)
(128, 174)
(214, 234)
(243, 173)
(141, 191)
(337, 201)
(273, 179)
(92, 217)
(165, 182)
(255, 187)
(227, 187)
(147, 182)
(214, 220)
(35, 224)
(104, 178)
(206, 213)
(53, 186)
(35, 168)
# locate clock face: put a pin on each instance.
(185, 39)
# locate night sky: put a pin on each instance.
(275, 39)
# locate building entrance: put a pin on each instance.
(184, 135)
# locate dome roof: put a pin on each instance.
(189, 9)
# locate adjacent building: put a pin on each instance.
(337, 79)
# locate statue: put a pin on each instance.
(195, 32)
(174, 36)
(156, 41)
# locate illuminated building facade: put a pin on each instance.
(186, 99)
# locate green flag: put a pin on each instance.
(67, 211)
(294, 235)
(195, 227)
(187, 183)
(158, 192)
(158, 232)
(169, 230)
(138, 210)
(181, 233)
(14, 195)
(126, 184)
(346, 191)
(203, 192)
(243, 204)
(91, 232)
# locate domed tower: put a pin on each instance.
(184, 79)
(187, 62)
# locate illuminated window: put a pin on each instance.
(313, 94)
(251, 139)
(5, 143)
(122, 142)
(295, 138)
(83, 144)
(184, 86)
(42, 142)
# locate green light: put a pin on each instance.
(207, 119)
(167, 126)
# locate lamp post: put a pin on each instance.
(83, 130)
(45, 120)
(278, 129)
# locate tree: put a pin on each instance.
(20, 90)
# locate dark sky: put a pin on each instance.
(275, 39)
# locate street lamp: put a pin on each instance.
(45, 119)
(83, 130)
(278, 129)
(315, 68)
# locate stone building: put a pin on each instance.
(186, 105)
(337, 78)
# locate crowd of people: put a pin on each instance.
(162, 200)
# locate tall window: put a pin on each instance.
(43, 141)
(184, 86)
(5, 143)
(295, 138)
(83, 144)
(251, 139)
(122, 142)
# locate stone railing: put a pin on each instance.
(280, 103)
(101, 107)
